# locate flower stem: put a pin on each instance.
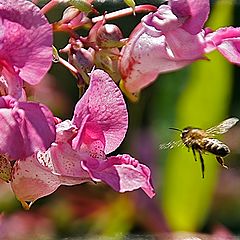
(125, 12)
(49, 6)
(68, 65)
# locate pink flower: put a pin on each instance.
(227, 42)
(25, 128)
(170, 39)
(98, 127)
(25, 44)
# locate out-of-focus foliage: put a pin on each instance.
(203, 103)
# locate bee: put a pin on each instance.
(201, 141)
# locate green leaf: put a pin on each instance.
(204, 103)
(130, 3)
(82, 5)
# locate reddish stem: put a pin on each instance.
(64, 28)
(125, 12)
(49, 6)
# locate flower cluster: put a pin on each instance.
(40, 152)
(172, 38)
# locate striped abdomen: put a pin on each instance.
(215, 146)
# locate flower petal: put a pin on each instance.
(25, 128)
(123, 173)
(65, 131)
(104, 103)
(194, 13)
(227, 42)
(67, 164)
(25, 39)
(31, 181)
(13, 81)
(162, 44)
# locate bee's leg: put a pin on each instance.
(194, 153)
(221, 161)
(202, 163)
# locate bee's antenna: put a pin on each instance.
(176, 129)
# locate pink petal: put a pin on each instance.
(65, 131)
(165, 41)
(92, 141)
(123, 173)
(31, 181)
(168, 53)
(194, 13)
(104, 103)
(227, 42)
(63, 162)
(26, 39)
(13, 81)
(67, 164)
(25, 127)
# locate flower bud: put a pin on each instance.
(83, 59)
(69, 13)
(109, 36)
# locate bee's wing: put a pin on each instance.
(171, 144)
(223, 126)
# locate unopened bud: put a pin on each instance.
(109, 36)
(69, 14)
(83, 59)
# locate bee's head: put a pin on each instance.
(185, 132)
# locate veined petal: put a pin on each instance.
(123, 173)
(25, 39)
(104, 103)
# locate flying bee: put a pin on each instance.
(201, 141)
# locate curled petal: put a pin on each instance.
(103, 103)
(192, 13)
(31, 181)
(25, 128)
(123, 173)
(227, 42)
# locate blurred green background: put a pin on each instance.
(200, 95)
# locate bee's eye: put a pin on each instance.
(184, 133)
